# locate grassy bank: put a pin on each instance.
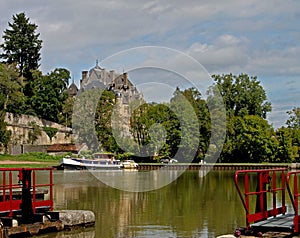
(28, 160)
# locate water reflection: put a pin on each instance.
(137, 181)
(78, 233)
(193, 205)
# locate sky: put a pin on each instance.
(259, 38)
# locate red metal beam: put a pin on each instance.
(8, 203)
(266, 177)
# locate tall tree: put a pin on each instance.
(243, 95)
(287, 146)
(294, 118)
(249, 139)
(11, 99)
(4, 133)
(200, 107)
(49, 93)
(11, 94)
(103, 115)
(22, 46)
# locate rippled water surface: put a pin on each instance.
(191, 206)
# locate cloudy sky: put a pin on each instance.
(260, 38)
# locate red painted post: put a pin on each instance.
(4, 187)
(246, 178)
(263, 177)
(10, 194)
(33, 192)
(51, 190)
(274, 193)
(283, 192)
(296, 217)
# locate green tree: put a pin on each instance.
(49, 93)
(155, 129)
(200, 107)
(65, 117)
(4, 133)
(11, 95)
(83, 117)
(22, 46)
(50, 131)
(249, 139)
(103, 121)
(287, 148)
(294, 118)
(243, 95)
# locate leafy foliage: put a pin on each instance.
(12, 98)
(22, 45)
(50, 131)
(4, 134)
(49, 93)
(249, 139)
(35, 132)
(243, 95)
(179, 126)
(294, 118)
(103, 127)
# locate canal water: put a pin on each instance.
(193, 205)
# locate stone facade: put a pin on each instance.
(122, 87)
(28, 131)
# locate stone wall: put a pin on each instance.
(27, 133)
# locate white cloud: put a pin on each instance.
(255, 37)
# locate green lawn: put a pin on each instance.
(34, 160)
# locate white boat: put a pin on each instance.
(99, 161)
(129, 164)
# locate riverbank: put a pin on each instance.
(217, 166)
(46, 160)
(28, 160)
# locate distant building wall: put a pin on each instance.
(22, 149)
(28, 135)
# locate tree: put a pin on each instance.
(200, 107)
(83, 118)
(294, 118)
(4, 133)
(49, 93)
(243, 95)
(11, 94)
(155, 129)
(22, 46)
(249, 139)
(103, 115)
(287, 148)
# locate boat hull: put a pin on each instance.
(72, 164)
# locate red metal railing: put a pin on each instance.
(12, 183)
(293, 190)
(267, 182)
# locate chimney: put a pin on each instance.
(125, 77)
(84, 75)
(112, 75)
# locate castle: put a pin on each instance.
(118, 83)
(124, 90)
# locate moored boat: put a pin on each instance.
(99, 161)
(129, 164)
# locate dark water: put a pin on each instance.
(191, 206)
